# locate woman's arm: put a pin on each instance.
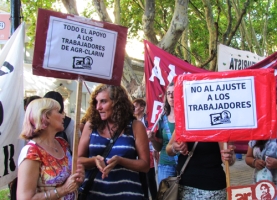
(227, 154)
(251, 161)
(142, 163)
(156, 142)
(173, 147)
(83, 148)
(28, 175)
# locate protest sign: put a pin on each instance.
(67, 46)
(261, 190)
(225, 106)
(234, 59)
(79, 48)
(160, 68)
(221, 95)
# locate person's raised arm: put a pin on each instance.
(28, 174)
(156, 142)
(251, 161)
(173, 147)
(83, 148)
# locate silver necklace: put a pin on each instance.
(111, 140)
(56, 149)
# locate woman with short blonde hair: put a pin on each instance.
(45, 163)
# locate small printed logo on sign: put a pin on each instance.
(263, 190)
(2, 25)
(220, 118)
(82, 62)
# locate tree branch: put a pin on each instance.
(141, 4)
(229, 19)
(148, 21)
(246, 4)
(70, 6)
(117, 12)
(177, 26)
(101, 10)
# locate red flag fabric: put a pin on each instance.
(225, 106)
(160, 68)
(268, 62)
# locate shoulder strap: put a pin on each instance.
(145, 120)
(189, 157)
(168, 133)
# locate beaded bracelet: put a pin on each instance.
(173, 150)
(253, 163)
(56, 192)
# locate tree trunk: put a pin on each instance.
(129, 78)
(263, 48)
(70, 6)
(229, 25)
(185, 44)
(178, 24)
(148, 21)
(117, 12)
(254, 38)
(242, 25)
(102, 11)
(239, 21)
(212, 35)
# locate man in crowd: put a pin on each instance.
(139, 107)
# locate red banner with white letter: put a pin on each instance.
(225, 106)
(160, 68)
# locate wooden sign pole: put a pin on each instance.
(227, 171)
(77, 123)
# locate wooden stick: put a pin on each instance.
(227, 171)
(76, 126)
(156, 123)
(87, 87)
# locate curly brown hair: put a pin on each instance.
(122, 107)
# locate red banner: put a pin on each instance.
(225, 106)
(160, 68)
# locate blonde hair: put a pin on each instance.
(35, 117)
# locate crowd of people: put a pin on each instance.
(114, 120)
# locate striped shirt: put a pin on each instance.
(121, 183)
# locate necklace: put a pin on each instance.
(111, 140)
(56, 149)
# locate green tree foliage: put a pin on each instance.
(242, 24)
(29, 14)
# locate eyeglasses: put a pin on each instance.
(170, 93)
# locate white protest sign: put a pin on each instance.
(234, 59)
(220, 104)
(79, 48)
